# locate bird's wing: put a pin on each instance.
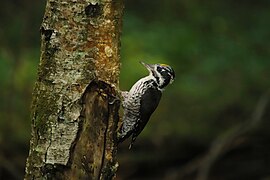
(148, 105)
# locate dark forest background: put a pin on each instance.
(212, 122)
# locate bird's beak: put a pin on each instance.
(150, 67)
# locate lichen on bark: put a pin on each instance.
(80, 41)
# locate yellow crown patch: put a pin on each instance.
(166, 65)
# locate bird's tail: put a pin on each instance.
(132, 141)
(121, 135)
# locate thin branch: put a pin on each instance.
(222, 144)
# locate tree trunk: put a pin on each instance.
(75, 110)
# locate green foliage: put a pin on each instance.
(220, 54)
(219, 51)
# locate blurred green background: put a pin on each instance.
(220, 51)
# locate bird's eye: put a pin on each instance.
(159, 68)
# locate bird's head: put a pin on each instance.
(163, 74)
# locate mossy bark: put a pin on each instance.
(74, 110)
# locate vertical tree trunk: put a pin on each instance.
(74, 113)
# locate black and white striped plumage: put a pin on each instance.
(142, 100)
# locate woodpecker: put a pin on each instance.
(143, 98)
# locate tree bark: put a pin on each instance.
(75, 110)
